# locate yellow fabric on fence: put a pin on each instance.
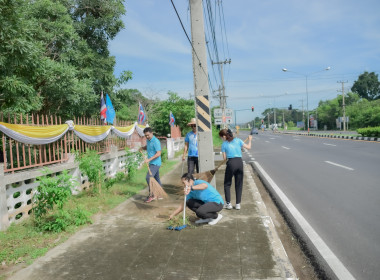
(125, 129)
(92, 130)
(37, 131)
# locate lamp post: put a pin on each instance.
(307, 93)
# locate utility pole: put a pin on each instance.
(201, 88)
(219, 90)
(223, 99)
(344, 105)
(303, 114)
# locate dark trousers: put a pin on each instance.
(234, 169)
(204, 210)
(192, 163)
(155, 174)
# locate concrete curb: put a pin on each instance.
(375, 139)
(326, 259)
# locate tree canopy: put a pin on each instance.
(367, 86)
(54, 55)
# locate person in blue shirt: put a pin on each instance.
(153, 147)
(191, 148)
(231, 150)
(202, 198)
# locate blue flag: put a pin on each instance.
(110, 110)
(171, 119)
(142, 117)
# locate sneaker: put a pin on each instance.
(202, 221)
(228, 206)
(237, 207)
(215, 221)
(150, 199)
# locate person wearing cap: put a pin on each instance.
(191, 148)
(231, 150)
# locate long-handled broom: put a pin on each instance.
(155, 188)
(208, 175)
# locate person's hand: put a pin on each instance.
(183, 157)
(171, 217)
(146, 161)
(187, 190)
(250, 137)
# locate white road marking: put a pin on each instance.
(329, 144)
(272, 138)
(333, 262)
(252, 158)
(339, 165)
(296, 139)
(285, 147)
(267, 141)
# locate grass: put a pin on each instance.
(22, 243)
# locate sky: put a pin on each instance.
(261, 38)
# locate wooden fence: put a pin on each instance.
(18, 156)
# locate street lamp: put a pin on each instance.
(307, 93)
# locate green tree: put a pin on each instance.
(182, 109)
(367, 86)
(21, 58)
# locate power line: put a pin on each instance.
(188, 38)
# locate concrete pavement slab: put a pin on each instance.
(132, 242)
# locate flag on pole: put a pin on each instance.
(171, 119)
(142, 117)
(110, 110)
(103, 109)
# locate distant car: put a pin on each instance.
(254, 131)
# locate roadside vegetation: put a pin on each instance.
(57, 214)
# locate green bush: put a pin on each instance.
(164, 154)
(369, 131)
(52, 192)
(132, 163)
(92, 166)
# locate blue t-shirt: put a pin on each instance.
(153, 146)
(191, 138)
(207, 195)
(233, 148)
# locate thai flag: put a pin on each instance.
(171, 119)
(142, 117)
(103, 109)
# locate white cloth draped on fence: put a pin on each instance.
(40, 135)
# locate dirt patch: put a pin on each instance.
(301, 263)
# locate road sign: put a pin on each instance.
(226, 119)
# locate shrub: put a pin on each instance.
(370, 131)
(92, 166)
(132, 163)
(52, 192)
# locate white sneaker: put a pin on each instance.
(237, 207)
(228, 206)
(214, 221)
(202, 221)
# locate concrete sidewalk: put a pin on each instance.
(132, 242)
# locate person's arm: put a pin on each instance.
(142, 148)
(156, 155)
(224, 156)
(248, 146)
(199, 187)
(176, 212)
(185, 150)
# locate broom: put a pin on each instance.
(155, 188)
(208, 175)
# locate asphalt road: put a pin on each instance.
(335, 184)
